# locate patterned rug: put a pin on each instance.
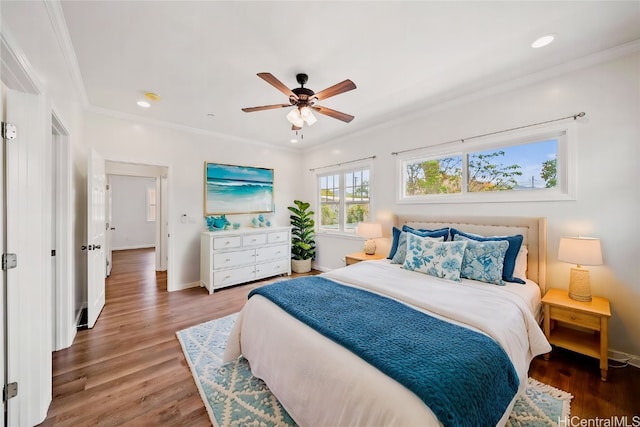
(234, 397)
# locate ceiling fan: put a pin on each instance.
(304, 99)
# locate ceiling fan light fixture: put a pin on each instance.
(310, 119)
(295, 118)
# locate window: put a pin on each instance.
(344, 200)
(151, 204)
(535, 167)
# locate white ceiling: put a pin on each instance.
(202, 57)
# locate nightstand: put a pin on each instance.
(591, 337)
(356, 257)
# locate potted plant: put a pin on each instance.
(303, 244)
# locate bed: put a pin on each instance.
(322, 383)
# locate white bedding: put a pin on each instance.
(320, 383)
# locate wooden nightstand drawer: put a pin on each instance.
(575, 318)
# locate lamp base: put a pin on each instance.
(369, 247)
(579, 285)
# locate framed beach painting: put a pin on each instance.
(230, 189)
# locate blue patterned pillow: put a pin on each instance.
(440, 259)
(483, 261)
(401, 252)
(395, 243)
(423, 232)
(509, 258)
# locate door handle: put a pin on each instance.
(96, 246)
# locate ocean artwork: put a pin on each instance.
(233, 189)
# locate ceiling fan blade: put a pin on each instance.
(269, 78)
(333, 113)
(265, 107)
(336, 89)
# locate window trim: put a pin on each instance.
(342, 204)
(567, 167)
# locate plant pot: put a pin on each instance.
(301, 265)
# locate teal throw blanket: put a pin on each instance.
(465, 377)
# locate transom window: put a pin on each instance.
(344, 199)
(538, 167)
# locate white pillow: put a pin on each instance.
(520, 271)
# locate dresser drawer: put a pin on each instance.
(272, 252)
(226, 242)
(272, 268)
(234, 275)
(575, 318)
(282, 236)
(254, 239)
(232, 259)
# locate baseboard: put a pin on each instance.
(182, 286)
(126, 248)
(622, 357)
(321, 268)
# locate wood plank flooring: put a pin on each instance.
(130, 370)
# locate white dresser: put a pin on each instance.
(230, 257)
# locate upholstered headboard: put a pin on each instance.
(533, 229)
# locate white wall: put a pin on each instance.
(608, 200)
(185, 153)
(129, 212)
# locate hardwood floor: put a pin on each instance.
(129, 369)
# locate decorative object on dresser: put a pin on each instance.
(230, 257)
(230, 189)
(303, 244)
(370, 231)
(580, 251)
(356, 257)
(591, 315)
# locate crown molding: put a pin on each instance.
(16, 70)
(484, 89)
(59, 25)
(183, 128)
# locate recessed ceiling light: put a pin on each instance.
(294, 141)
(543, 41)
(143, 104)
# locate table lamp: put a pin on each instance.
(370, 231)
(580, 251)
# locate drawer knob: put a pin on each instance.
(227, 277)
(227, 260)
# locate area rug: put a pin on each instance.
(234, 397)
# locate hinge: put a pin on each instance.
(9, 261)
(53, 252)
(9, 131)
(10, 390)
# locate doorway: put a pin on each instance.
(136, 212)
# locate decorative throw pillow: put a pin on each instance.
(521, 263)
(401, 252)
(515, 242)
(439, 259)
(483, 261)
(423, 232)
(396, 233)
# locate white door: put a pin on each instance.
(28, 235)
(96, 260)
(3, 348)
(109, 228)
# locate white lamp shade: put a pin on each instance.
(310, 119)
(369, 230)
(580, 250)
(294, 116)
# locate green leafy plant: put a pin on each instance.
(303, 244)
